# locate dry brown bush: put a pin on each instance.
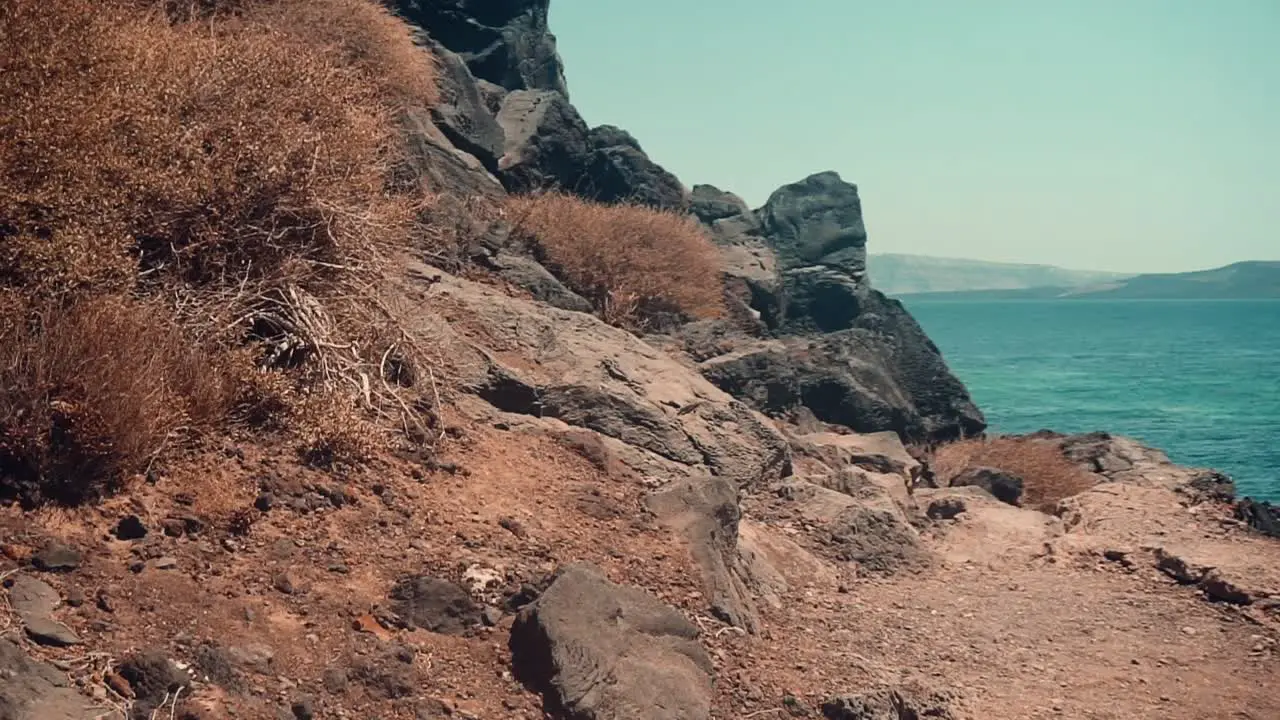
(221, 159)
(1048, 476)
(210, 150)
(637, 266)
(93, 392)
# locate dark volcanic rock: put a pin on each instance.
(153, 677)
(546, 142)
(945, 509)
(846, 352)
(1261, 516)
(620, 171)
(1004, 486)
(884, 374)
(815, 226)
(430, 159)
(434, 604)
(817, 221)
(600, 651)
(462, 113)
(889, 704)
(505, 42)
(31, 690)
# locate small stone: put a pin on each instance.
(166, 563)
(265, 502)
(335, 680)
(46, 631)
(513, 526)
(1188, 630)
(945, 508)
(56, 557)
(302, 709)
(491, 616)
(75, 597)
(131, 528)
(287, 582)
(104, 602)
(32, 596)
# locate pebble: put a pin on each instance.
(167, 563)
(1188, 630)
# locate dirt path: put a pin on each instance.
(1014, 626)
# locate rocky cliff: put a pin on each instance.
(823, 339)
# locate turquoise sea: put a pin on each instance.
(1198, 379)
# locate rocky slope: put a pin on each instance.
(677, 526)
(818, 335)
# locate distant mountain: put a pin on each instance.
(1239, 281)
(895, 274)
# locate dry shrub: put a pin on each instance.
(638, 266)
(210, 150)
(93, 392)
(1047, 474)
(219, 159)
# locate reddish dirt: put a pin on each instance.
(1018, 615)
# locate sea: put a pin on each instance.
(1198, 379)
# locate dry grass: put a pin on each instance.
(637, 266)
(95, 391)
(1047, 474)
(210, 150)
(226, 161)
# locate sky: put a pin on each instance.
(1125, 135)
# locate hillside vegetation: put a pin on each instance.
(178, 179)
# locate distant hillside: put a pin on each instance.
(1239, 281)
(911, 274)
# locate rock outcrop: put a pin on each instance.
(841, 349)
(600, 651)
(505, 43)
(815, 226)
(620, 171)
(546, 142)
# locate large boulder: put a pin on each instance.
(620, 171)
(546, 142)
(883, 374)
(600, 651)
(506, 42)
(815, 226)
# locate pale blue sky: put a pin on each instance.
(1130, 135)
